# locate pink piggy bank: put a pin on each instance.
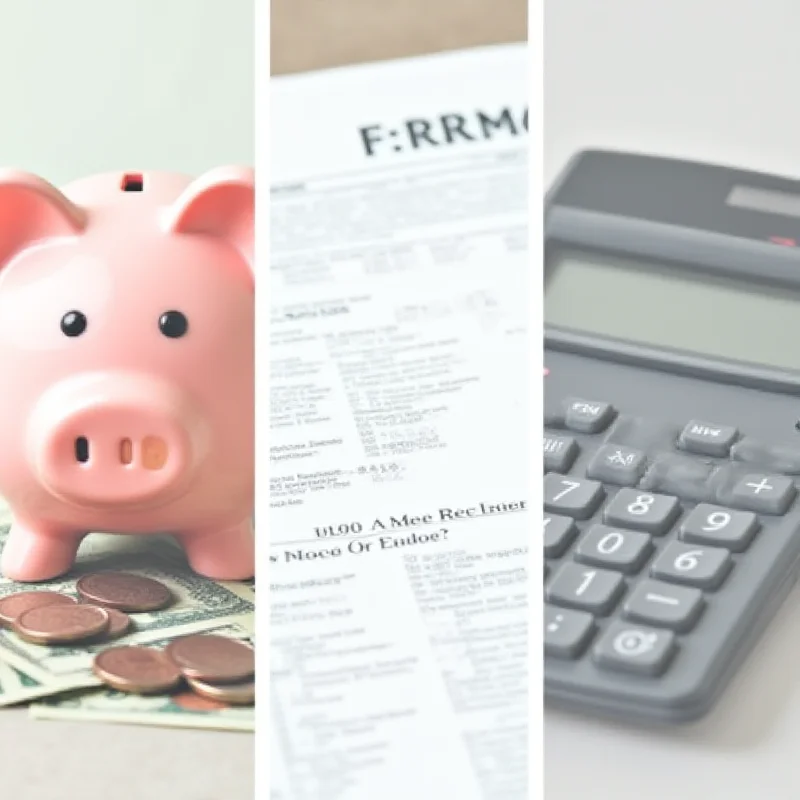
(126, 353)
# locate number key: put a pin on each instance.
(572, 497)
(558, 535)
(595, 590)
(606, 547)
(715, 525)
(653, 513)
(703, 567)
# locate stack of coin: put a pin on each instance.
(52, 618)
(215, 667)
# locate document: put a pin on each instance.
(399, 469)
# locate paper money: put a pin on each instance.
(17, 687)
(182, 710)
(201, 604)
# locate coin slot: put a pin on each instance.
(126, 451)
(154, 452)
(82, 449)
(133, 182)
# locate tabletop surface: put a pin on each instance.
(717, 81)
(100, 86)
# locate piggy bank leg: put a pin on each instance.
(36, 553)
(225, 555)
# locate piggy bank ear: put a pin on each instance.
(32, 210)
(220, 203)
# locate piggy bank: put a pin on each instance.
(126, 357)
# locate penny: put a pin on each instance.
(234, 694)
(136, 670)
(213, 658)
(15, 604)
(118, 623)
(124, 591)
(61, 624)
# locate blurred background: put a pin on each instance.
(312, 34)
(88, 86)
(705, 78)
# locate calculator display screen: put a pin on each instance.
(672, 307)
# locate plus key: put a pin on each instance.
(763, 494)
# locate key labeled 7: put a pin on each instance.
(574, 497)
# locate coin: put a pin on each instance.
(118, 624)
(62, 623)
(124, 591)
(137, 670)
(234, 694)
(213, 658)
(15, 604)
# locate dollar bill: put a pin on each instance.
(16, 687)
(200, 605)
(181, 710)
(184, 710)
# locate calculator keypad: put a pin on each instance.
(645, 523)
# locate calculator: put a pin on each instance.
(671, 518)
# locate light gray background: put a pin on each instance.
(92, 85)
(88, 86)
(715, 80)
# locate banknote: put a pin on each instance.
(181, 710)
(200, 605)
(17, 687)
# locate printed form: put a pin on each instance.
(399, 471)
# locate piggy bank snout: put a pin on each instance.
(114, 440)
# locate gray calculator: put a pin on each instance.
(671, 519)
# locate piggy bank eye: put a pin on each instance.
(173, 324)
(73, 323)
